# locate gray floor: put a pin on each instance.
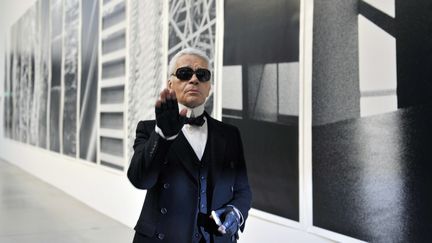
(34, 211)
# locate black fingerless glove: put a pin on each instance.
(168, 118)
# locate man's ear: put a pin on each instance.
(169, 84)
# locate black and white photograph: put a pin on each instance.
(147, 74)
(43, 72)
(70, 77)
(87, 125)
(215, 121)
(193, 24)
(261, 97)
(111, 97)
(7, 112)
(370, 114)
(55, 90)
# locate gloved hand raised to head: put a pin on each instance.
(168, 118)
(230, 220)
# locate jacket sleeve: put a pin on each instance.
(242, 194)
(150, 151)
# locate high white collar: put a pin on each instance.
(193, 112)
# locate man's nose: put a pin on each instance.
(194, 79)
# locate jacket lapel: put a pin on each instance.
(185, 154)
(217, 149)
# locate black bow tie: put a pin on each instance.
(195, 121)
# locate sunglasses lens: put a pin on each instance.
(184, 73)
(203, 75)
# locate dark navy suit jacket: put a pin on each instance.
(166, 169)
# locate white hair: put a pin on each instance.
(187, 51)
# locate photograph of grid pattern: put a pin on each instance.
(193, 24)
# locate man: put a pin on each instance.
(190, 163)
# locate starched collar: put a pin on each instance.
(193, 112)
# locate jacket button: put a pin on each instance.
(165, 162)
(166, 185)
(160, 236)
(164, 210)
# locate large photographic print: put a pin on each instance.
(146, 60)
(54, 96)
(43, 78)
(371, 117)
(261, 97)
(42, 73)
(89, 74)
(70, 77)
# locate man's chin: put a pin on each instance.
(193, 103)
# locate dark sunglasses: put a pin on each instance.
(186, 73)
